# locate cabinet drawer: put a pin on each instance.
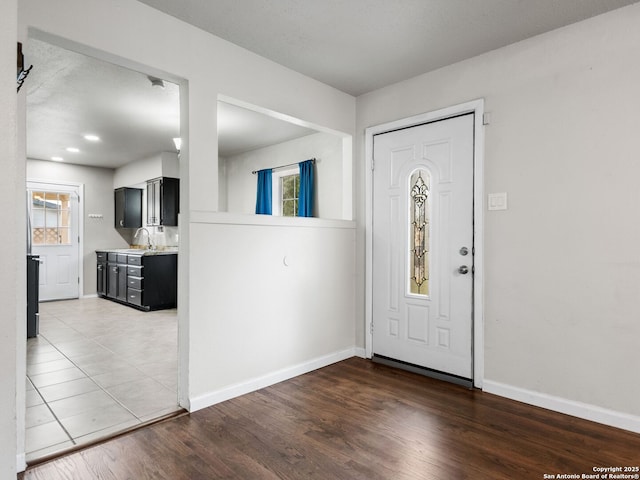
(134, 282)
(101, 257)
(122, 258)
(135, 271)
(112, 257)
(135, 259)
(134, 296)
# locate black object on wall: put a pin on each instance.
(21, 72)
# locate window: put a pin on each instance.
(51, 218)
(290, 186)
(286, 187)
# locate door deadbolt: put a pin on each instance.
(464, 251)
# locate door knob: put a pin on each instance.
(463, 270)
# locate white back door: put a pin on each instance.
(423, 245)
(53, 224)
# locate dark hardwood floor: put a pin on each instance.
(355, 419)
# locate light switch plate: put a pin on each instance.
(497, 201)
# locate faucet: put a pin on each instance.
(149, 244)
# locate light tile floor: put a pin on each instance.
(95, 369)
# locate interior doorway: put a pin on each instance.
(98, 367)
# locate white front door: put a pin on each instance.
(423, 245)
(53, 224)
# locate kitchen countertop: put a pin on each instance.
(141, 251)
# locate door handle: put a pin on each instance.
(463, 270)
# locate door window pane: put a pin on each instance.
(50, 218)
(419, 232)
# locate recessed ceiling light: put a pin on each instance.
(92, 138)
(73, 149)
(57, 159)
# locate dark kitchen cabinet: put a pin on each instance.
(146, 282)
(152, 281)
(163, 201)
(117, 276)
(102, 269)
(128, 204)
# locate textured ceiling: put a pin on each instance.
(70, 95)
(360, 45)
(354, 45)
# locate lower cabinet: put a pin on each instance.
(146, 282)
(102, 272)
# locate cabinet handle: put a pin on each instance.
(122, 223)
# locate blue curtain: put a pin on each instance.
(305, 198)
(263, 200)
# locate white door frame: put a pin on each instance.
(80, 189)
(477, 108)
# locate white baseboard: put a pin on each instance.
(21, 462)
(359, 352)
(227, 393)
(90, 295)
(586, 411)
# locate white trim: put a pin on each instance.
(477, 108)
(225, 218)
(21, 462)
(569, 407)
(360, 352)
(248, 386)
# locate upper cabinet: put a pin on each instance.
(128, 202)
(163, 201)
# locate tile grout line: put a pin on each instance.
(144, 374)
(90, 378)
(84, 337)
(54, 416)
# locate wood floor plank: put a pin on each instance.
(355, 420)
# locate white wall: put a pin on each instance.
(207, 67)
(98, 198)
(13, 272)
(562, 276)
(326, 148)
(291, 302)
(164, 164)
